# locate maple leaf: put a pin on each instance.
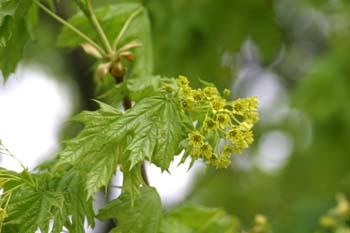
(151, 130)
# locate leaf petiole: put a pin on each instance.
(70, 26)
(98, 28)
(8, 153)
(126, 26)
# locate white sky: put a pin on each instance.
(32, 109)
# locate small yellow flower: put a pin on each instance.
(187, 92)
(214, 159)
(223, 119)
(217, 104)
(3, 214)
(238, 148)
(251, 117)
(234, 134)
(195, 153)
(206, 150)
(223, 163)
(252, 103)
(239, 106)
(210, 92)
(248, 136)
(240, 138)
(209, 124)
(182, 81)
(227, 151)
(168, 88)
(198, 95)
(186, 105)
(195, 138)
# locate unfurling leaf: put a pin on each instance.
(112, 19)
(91, 50)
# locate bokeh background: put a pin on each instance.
(293, 54)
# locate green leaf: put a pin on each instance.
(132, 181)
(51, 3)
(12, 53)
(156, 127)
(13, 33)
(151, 130)
(82, 5)
(194, 218)
(114, 95)
(75, 204)
(145, 86)
(173, 226)
(144, 217)
(32, 210)
(37, 199)
(143, 143)
(7, 22)
(32, 20)
(93, 151)
(12, 180)
(6, 30)
(11, 11)
(136, 89)
(112, 18)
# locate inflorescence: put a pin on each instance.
(219, 122)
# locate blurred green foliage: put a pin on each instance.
(192, 36)
(296, 196)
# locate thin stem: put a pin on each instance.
(11, 155)
(12, 177)
(210, 221)
(98, 28)
(144, 173)
(235, 119)
(8, 200)
(70, 26)
(126, 26)
(5, 207)
(8, 192)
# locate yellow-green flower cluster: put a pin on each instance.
(336, 218)
(215, 115)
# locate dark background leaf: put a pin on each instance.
(131, 216)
